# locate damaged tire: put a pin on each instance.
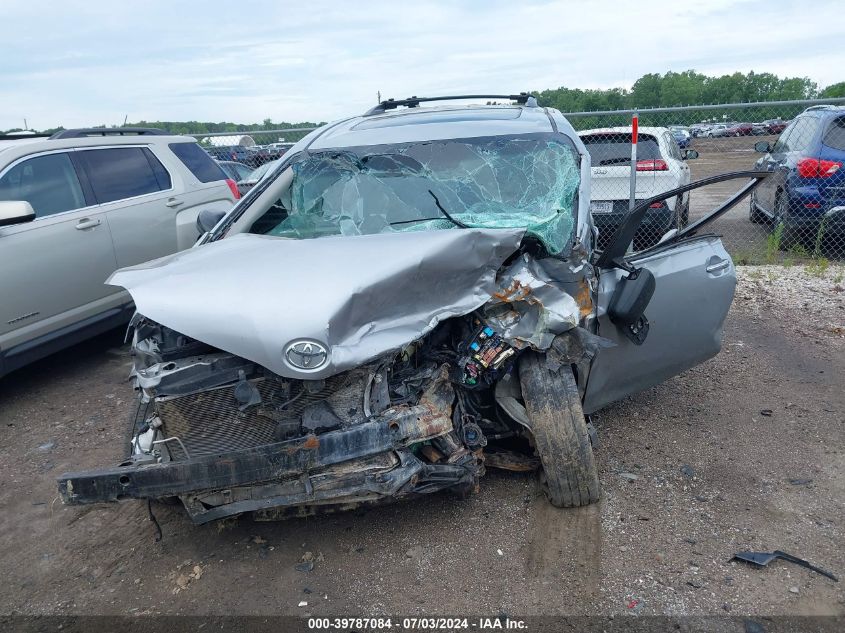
(569, 477)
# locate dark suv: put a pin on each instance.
(806, 192)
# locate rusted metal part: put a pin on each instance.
(283, 513)
(356, 481)
(509, 460)
(450, 446)
(396, 428)
(584, 298)
(440, 394)
(431, 453)
(530, 307)
(384, 478)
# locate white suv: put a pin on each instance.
(660, 167)
(80, 204)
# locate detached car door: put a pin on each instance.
(685, 308)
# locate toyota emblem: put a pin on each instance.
(306, 355)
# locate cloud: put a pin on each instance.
(94, 62)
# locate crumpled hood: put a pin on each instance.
(358, 297)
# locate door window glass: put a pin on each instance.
(803, 133)
(198, 161)
(782, 144)
(123, 172)
(834, 136)
(49, 183)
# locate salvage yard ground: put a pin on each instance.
(746, 451)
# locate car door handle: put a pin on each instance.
(87, 223)
(173, 202)
(720, 265)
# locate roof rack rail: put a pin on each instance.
(109, 131)
(523, 98)
(824, 106)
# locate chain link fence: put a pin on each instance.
(797, 214)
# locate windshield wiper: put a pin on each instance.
(415, 220)
(446, 213)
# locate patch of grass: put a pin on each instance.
(799, 250)
(837, 279)
(817, 247)
(773, 240)
(818, 267)
(745, 258)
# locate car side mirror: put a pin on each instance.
(207, 219)
(689, 154)
(16, 212)
(763, 147)
(629, 301)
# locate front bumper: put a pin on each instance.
(365, 463)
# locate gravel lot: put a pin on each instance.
(744, 452)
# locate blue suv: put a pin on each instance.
(806, 192)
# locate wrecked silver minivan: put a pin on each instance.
(411, 297)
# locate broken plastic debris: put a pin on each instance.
(761, 559)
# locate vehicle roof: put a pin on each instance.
(433, 123)
(822, 110)
(30, 145)
(624, 129)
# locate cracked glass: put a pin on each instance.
(528, 182)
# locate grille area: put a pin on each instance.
(210, 422)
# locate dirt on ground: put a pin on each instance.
(745, 452)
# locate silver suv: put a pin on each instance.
(409, 298)
(80, 204)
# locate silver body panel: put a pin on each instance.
(695, 284)
(358, 296)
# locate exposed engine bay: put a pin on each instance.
(227, 435)
(439, 393)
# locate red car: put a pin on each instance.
(740, 129)
(775, 126)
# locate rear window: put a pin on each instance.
(198, 161)
(615, 149)
(834, 136)
(123, 172)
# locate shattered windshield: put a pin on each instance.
(528, 181)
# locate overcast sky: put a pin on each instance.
(93, 62)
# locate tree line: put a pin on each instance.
(688, 88)
(649, 91)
